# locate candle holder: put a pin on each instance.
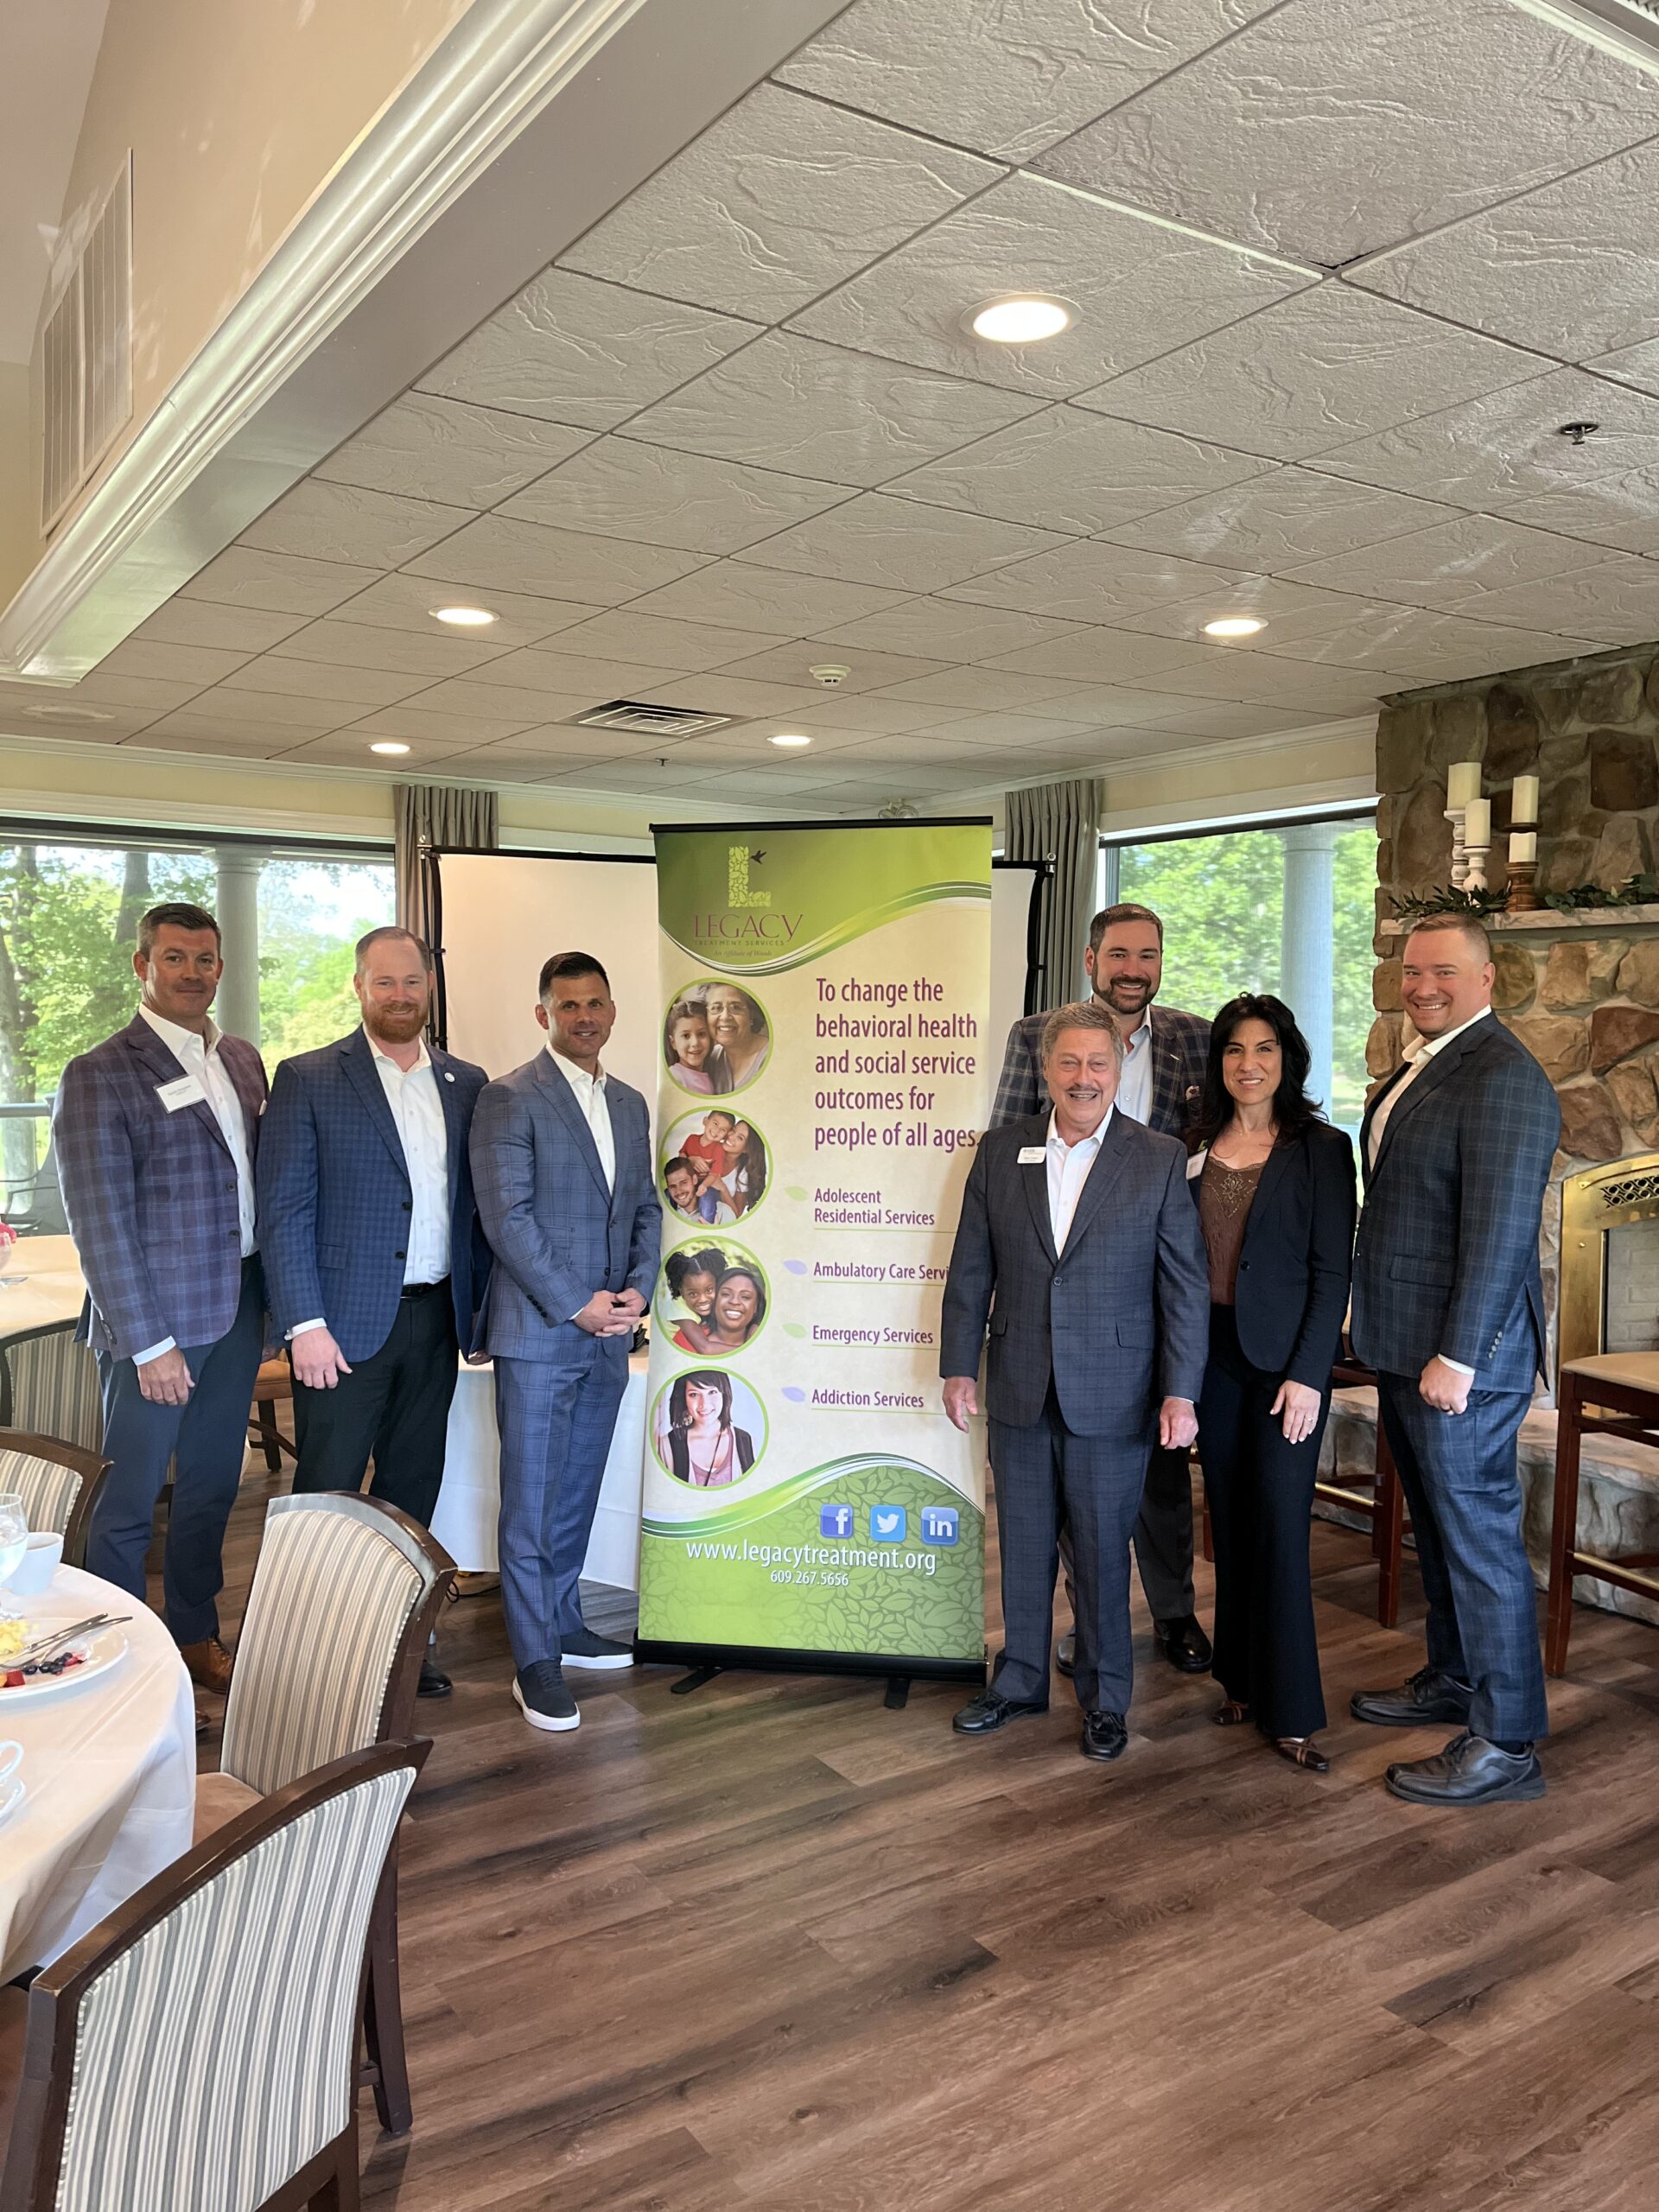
(1474, 868)
(1524, 894)
(1459, 851)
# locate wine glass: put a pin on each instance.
(14, 1541)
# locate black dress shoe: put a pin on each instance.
(1427, 1698)
(1184, 1644)
(1065, 1656)
(1469, 1772)
(984, 1715)
(1104, 1736)
(434, 1681)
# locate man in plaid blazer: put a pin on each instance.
(1163, 1077)
(157, 1131)
(1448, 1307)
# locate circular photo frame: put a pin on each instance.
(713, 1169)
(712, 1299)
(717, 1036)
(708, 1428)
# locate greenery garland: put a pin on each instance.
(1587, 897)
(1448, 900)
(1635, 891)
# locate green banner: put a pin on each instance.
(825, 1008)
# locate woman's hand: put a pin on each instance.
(1300, 1407)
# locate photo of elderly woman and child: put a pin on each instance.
(713, 1300)
(716, 1039)
(714, 1168)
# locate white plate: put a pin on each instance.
(12, 1795)
(101, 1651)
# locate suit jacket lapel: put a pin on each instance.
(1167, 1068)
(359, 1066)
(559, 1095)
(1034, 1177)
(1108, 1166)
(163, 1063)
(248, 1090)
(454, 1133)
(1432, 1073)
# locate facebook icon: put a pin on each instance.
(838, 1520)
(938, 1524)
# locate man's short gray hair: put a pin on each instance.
(384, 936)
(1087, 1013)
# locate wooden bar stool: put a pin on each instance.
(1384, 1503)
(1627, 1385)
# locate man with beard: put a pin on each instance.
(374, 1260)
(1164, 1050)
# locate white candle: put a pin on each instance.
(1523, 804)
(1462, 782)
(1477, 822)
(1523, 845)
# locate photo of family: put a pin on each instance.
(712, 1300)
(716, 1039)
(708, 1429)
(714, 1168)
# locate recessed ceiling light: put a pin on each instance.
(791, 737)
(388, 745)
(1235, 626)
(1019, 321)
(464, 618)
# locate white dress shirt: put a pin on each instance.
(199, 1056)
(1421, 1053)
(1134, 1084)
(588, 1092)
(1067, 1168)
(419, 1112)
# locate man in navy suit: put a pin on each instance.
(1448, 1307)
(157, 1131)
(374, 1261)
(562, 1164)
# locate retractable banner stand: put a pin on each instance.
(824, 1041)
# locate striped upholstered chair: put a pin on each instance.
(58, 1484)
(345, 1594)
(49, 1385)
(194, 2052)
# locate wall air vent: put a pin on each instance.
(84, 362)
(641, 720)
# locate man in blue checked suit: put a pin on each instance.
(157, 1131)
(375, 1262)
(561, 1167)
(1448, 1307)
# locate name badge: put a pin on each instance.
(1031, 1155)
(183, 1091)
(1195, 1165)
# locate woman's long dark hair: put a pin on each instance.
(1293, 1109)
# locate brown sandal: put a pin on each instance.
(1232, 1714)
(1302, 1751)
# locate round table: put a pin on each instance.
(41, 1286)
(111, 1770)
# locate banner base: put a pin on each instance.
(758, 1659)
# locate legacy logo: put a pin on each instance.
(748, 905)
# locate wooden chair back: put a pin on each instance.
(49, 1385)
(60, 1484)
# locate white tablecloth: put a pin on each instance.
(111, 1770)
(40, 1286)
(465, 1522)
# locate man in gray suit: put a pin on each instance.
(561, 1159)
(1448, 1307)
(1078, 1243)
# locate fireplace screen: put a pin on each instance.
(1609, 1259)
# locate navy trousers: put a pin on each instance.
(1464, 1492)
(207, 1436)
(555, 1425)
(1043, 1474)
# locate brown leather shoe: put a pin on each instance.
(209, 1665)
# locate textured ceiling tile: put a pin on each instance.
(1008, 729)
(1637, 365)
(579, 351)
(785, 402)
(571, 673)
(1192, 718)
(1138, 287)
(347, 750)
(403, 604)
(46, 710)
(563, 564)
(229, 629)
(1288, 609)
(158, 694)
(899, 543)
(338, 521)
(731, 594)
(774, 204)
(1096, 655)
(1334, 128)
(200, 734)
(1313, 373)
(946, 632)
(193, 664)
(417, 724)
(714, 693)
(792, 664)
(1103, 706)
(237, 702)
(1280, 519)
(1007, 76)
(433, 449)
(304, 679)
(977, 690)
(1254, 678)
(240, 576)
(1617, 603)
(337, 642)
(1068, 470)
(1438, 648)
(1453, 566)
(1089, 581)
(625, 634)
(621, 488)
(868, 715)
(509, 702)
(1619, 513)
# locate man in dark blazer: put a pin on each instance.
(156, 1132)
(1448, 1307)
(561, 1167)
(1078, 1244)
(1163, 1078)
(375, 1265)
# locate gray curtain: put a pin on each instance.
(435, 814)
(1059, 823)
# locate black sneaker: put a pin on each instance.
(585, 1648)
(540, 1695)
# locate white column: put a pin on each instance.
(1307, 978)
(236, 1007)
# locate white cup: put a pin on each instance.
(40, 1560)
(11, 1758)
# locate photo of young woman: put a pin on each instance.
(712, 1299)
(704, 1436)
(740, 1038)
(738, 1311)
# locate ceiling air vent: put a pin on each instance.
(85, 352)
(642, 720)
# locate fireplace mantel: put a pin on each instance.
(1547, 922)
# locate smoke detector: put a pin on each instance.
(829, 673)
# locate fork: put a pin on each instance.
(44, 1646)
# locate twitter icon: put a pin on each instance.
(888, 1524)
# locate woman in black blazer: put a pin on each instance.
(1274, 1187)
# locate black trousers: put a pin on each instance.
(394, 1406)
(1261, 1493)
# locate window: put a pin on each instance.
(1223, 896)
(69, 908)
